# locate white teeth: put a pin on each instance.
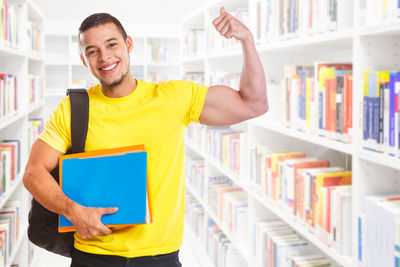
(110, 67)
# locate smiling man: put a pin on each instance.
(124, 111)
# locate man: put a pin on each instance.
(125, 111)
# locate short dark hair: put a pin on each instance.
(99, 19)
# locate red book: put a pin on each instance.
(332, 104)
(350, 104)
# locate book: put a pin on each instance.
(105, 178)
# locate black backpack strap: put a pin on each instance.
(79, 118)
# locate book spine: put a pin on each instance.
(366, 107)
(339, 104)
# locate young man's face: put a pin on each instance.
(106, 53)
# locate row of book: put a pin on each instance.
(157, 77)
(221, 143)
(33, 38)
(10, 167)
(9, 25)
(225, 78)
(217, 245)
(9, 229)
(216, 42)
(198, 41)
(319, 99)
(197, 77)
(9, 104)
(35, 128)
(381, 119)
(276, 244)
(195, 176)
(379, 231)
(227, 202)
(378, 11)
(36, 85)
(280, 20)
(194, 42)
(87, 83)
(157, 53)
(317, 196)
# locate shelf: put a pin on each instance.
(198, 249)
(379, 158)
(34, 12)
(35, 57)
(56, 95)
(9, 51)
(239, 246)
(193, 58)
(226, 52)
(7, 194)
(322, 141)
(218, 165)
(381, 29)
(11, 119)
(194, 193)
(34, 107)
(22, 233)
(56, 63)
(342, 39)
(292, 221)
(166, 64)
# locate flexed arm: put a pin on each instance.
(223, 105)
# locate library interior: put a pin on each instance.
(314, 181)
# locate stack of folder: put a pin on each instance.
(108, 178)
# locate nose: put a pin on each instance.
(104, 55)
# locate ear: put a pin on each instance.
(83, 60)
(129, 43)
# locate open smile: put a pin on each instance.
(109, 68)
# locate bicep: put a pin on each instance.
(224, 106)
(43, 155)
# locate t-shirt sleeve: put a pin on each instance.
(57, 132)
(192, 96)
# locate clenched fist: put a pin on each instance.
(229, 26)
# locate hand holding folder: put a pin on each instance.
(108, 178)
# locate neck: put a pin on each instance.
(126, 87)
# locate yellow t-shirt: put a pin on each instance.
(155, 115)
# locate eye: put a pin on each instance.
(91, 52)
(112, 44)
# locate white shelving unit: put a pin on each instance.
(22, 61)
(368, 48)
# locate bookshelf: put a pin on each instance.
(22, 56)
(364, 37)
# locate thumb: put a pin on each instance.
(108, 210)
(222, 10)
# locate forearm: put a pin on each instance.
(253, 88)
(39, 182)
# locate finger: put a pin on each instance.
(222, 10)
(218, 19)
(226, 29)
(103, 211)
(104, 230)
(223, 22)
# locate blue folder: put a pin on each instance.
(108, 181)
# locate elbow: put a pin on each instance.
(262, 108)
(27, 178)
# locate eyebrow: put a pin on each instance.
(108, 40)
